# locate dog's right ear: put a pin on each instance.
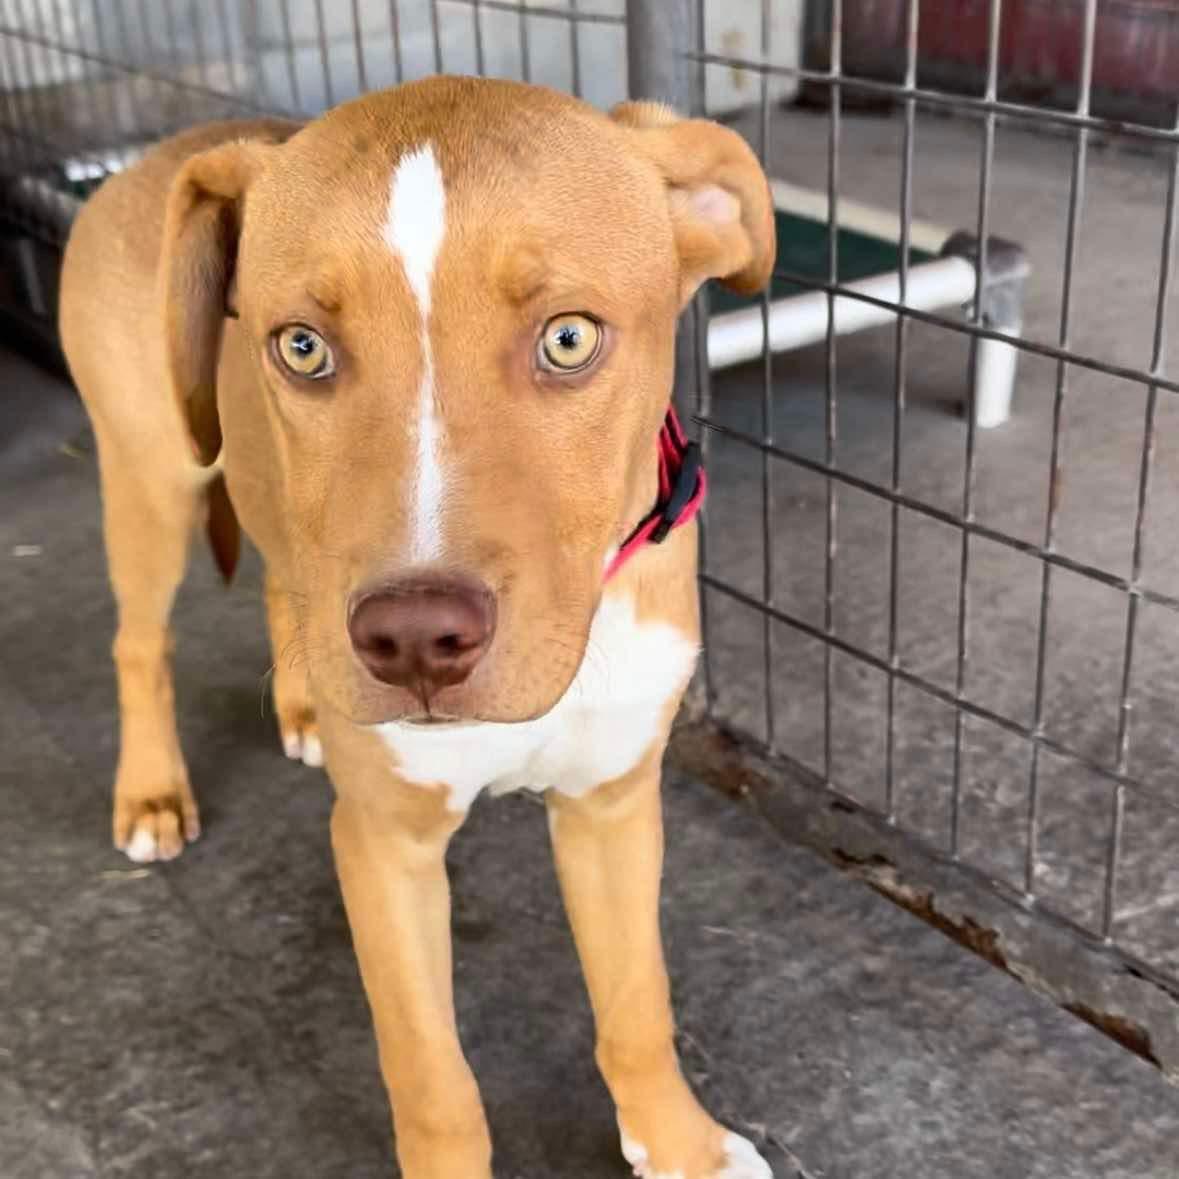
(721, 210)
(201, 228)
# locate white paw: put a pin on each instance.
(741, 1160)
(154, 825)
(142, 847)
(304, 747)
(635, 1153)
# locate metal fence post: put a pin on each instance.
(661, 35)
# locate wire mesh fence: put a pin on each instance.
(968, 636)
(88, 83)
(1070, 817)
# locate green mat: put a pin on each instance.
(802, 249)
(81, 188)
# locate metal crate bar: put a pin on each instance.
(1075, 203)
(912, 18)
(963, 103)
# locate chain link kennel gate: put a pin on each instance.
(1045, 846)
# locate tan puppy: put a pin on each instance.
(427, 341)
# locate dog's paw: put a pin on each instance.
(155, 826)
(740, 1160)
(300, 738)
(297, 728)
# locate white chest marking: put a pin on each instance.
(414, 227)
(600, 728)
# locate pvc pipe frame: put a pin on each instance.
(735, 337)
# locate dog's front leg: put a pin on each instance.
(390, 841)
(297, 726)
(609, 851)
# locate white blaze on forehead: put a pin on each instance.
(414, 227)
(416, 220)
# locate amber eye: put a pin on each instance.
(570, 342)
(304, 352)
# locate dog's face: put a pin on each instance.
(458, 302)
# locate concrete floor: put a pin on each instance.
(1111, 319)
(205, 1018)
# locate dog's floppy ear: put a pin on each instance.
(717, 194)
(201, 226)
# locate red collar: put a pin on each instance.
(681, 491)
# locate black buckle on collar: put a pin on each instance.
(684, 487)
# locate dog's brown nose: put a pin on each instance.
(424, 633)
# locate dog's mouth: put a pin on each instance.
(433, 720)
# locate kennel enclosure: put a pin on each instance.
(86, 85)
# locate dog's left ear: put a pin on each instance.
(201, 225)
(720, 202)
